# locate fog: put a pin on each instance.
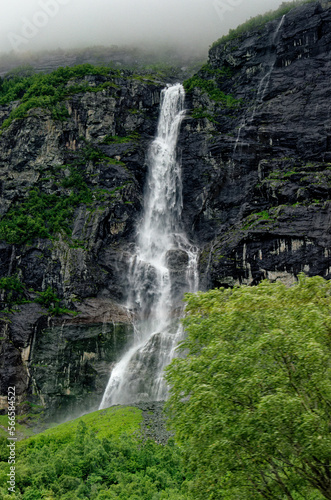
(191, 25)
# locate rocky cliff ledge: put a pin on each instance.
(256, 156)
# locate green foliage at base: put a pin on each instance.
(250, 400)
(95, 457)
(260, 20)
(21, 430)
(111, 422)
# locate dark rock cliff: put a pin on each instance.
(256, 157)
(99, 150)
(257, 173)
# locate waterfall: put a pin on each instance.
(163, 267)
(264, 83)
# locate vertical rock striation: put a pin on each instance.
(257, 171)
(256, 174)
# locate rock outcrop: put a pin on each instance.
(256, 172)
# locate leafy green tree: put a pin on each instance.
(251, 399)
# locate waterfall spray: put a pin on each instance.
(154, 295)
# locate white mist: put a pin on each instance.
(139, 374)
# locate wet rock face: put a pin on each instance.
(102, 142)
(62, 365)
(257, 177)
(70, 365)
(177, 262)
(256, 197)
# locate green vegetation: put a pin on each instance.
(16, 293)
(257, 217)
(49, 299)
(199, 113)
(264, 215)
(59, 112)
(260, 20)
(98, 456)
(13, 292)
(211, 89)
(91, 153)
(11, 284)
(162, 70)
(116, 139)
(22, 430)
(250, 401)
(43, 214)
(221, 74)
(209, 80)
(48, 90)
(306, 176)
(112, 421)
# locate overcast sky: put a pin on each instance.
(29, 25)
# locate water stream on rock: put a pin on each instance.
(264, 83)
(162, 269)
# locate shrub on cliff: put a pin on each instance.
(260, 20)
(48, 90)
(251, 400)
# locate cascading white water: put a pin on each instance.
(164, 266)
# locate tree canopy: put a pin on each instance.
(250, 395)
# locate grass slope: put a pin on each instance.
(111, 422)
(22, 431)
(99, 455)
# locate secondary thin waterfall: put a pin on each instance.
(264, 82)
(162, 269)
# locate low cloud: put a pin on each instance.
(187, 24)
